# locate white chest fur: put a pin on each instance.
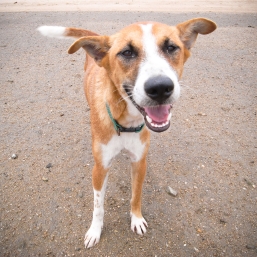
(129, 141)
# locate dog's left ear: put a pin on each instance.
(189, 30)
(96, 46)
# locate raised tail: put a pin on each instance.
(64, 32)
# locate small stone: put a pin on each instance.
(247, 182)
(80, 194)
(49, 165)
(202, 114)
(45, 179)
(14, 156)
(222, 221)
(251, 247)
(196, 249)
(171, 191)
(68, 190)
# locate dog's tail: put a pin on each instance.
(64, 32)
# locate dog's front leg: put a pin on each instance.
(138, 223)
(100, 177)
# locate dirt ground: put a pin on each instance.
(208, 155)
(234, 6)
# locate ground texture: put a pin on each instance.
(208, 155)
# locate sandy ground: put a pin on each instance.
(208, 155)
(231, 6)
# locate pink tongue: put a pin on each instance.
(158, 113)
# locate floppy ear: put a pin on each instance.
(189, 30)
(96, 46)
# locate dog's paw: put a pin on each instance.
(92, 236)
(138, 225)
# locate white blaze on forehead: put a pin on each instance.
(153, 64)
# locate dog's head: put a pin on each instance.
(145, 61)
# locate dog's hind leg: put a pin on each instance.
(138, 223)
(100, 177)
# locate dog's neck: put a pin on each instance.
(123, 110)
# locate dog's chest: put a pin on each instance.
(128, 141)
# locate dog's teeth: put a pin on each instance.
(169, 117)
(149, 119)
(159, 125)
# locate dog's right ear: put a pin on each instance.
(96, 46)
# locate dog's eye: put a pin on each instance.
(171, 49)
(128, 54)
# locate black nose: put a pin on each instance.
(159, 88)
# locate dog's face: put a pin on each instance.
(148, 60)
(145, 62)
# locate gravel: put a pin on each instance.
(208, 155)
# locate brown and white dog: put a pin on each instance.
(131, 79)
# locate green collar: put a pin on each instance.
(118, 127)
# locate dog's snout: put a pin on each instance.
(159, 88)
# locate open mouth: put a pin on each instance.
(157, 118)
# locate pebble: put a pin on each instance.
(45, 179)
(80, 194)
(222, 221)
(171, 191)
(251, 247)
(49, 165)
(196, 249)
(202, 114)
(14, 156)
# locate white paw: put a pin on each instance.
(138, 225)
(92, 236)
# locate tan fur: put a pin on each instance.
(77, 33)
(105, 73)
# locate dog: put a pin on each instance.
(131, 83)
